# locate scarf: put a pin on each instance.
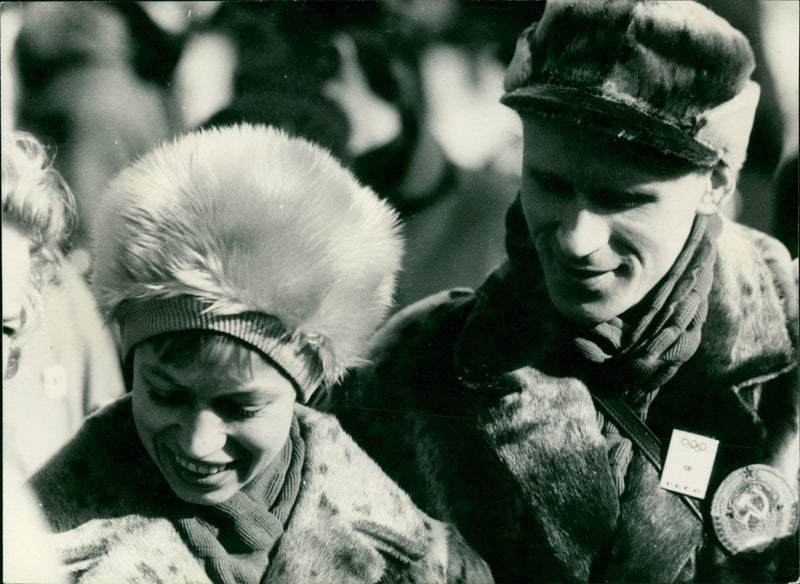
(235, 538)
(644, 346)
(631, 355)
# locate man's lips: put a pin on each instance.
(581, 272)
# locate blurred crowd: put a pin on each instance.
(404, 92)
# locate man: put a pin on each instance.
(618, 401)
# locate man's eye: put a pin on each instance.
(166, 396)
(620, 200)
(551, 184)
(9, 331)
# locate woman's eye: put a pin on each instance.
(247, 413)
(241, 413)
(236, 411)
(9, 331)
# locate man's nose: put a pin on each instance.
(582, 232)
(202, 434)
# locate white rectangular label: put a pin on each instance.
(690, 459)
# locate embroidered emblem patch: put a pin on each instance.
(753, 508)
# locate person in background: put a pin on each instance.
(94, 82)
(787, 191)
(348, 76)
(316, 119)
(37, 212)
(76, 371)
(452, 214)
(618, 402)
(246, 270)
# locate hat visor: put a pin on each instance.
(620, 120)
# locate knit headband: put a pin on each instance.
(295, 356)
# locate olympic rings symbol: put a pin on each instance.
(695, 445)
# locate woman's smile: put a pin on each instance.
(211, 425)
(196, 474)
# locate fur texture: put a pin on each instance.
(246, 218)
(657, 69)
(350, 523)
(464, 404)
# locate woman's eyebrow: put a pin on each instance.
(247, 394)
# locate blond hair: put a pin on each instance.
(38, 202)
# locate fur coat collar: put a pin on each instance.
(534, 439)
(350, 523)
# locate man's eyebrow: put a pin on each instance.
(154, 370)
(535, 169)
(542, 174)
(622, 193)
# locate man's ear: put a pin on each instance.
(722, 184)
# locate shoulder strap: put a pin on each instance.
(643, 437)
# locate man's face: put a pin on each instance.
(606, 229)
(210, 428)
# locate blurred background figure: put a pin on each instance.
(782, 53)
(362, 79)
(453, 169)
(37, 211)
(405, 92)
(93, 81)
(760, 202)
(786, 193)
(72, 368)
(73, 364)
(90, 80)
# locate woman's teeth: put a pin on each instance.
(199, 468)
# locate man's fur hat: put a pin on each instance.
(249, 232)
(671, 75)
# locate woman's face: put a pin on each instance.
(16, 279)
(210, 428)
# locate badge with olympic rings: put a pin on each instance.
(687, 468)
(753, 508)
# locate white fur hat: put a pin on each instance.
(249, 232)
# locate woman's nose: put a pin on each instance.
(582, 232)
(202, 434)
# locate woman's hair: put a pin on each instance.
(38, 203)
(182, 348)
(185, 348)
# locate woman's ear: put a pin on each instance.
(722, 184)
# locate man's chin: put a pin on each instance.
(588, 314)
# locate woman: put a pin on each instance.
(246, 271)
(37, 210)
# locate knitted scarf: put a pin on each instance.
(234, 539)
(646, 344)
(637, 352)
